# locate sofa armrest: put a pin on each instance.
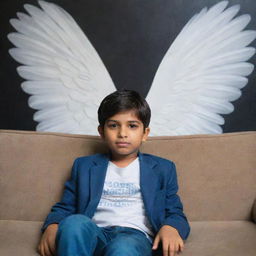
(254, 211)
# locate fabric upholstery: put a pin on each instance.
(224, 238)
(208, 238)
(19, 237)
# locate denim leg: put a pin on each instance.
(78, 235)
(128, 242)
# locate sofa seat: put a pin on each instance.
(229, 238)
(17, 236)
(207, 238)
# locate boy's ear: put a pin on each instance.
(101, 131)
(146, 133)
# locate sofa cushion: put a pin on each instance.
(207, 238)
(224, 238)
(19, 237)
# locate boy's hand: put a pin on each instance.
(171, 241)
(46, 245)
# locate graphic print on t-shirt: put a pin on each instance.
(119, 194)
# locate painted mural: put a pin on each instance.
(201, 73)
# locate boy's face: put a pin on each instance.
(124, 133)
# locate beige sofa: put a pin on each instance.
(216, 173)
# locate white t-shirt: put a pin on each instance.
(121, 202)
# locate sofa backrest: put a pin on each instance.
(216, 173)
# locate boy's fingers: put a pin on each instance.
(173, 250)
(177, 248)
(41, 248)
(166, 248)
(42, 251)
(52, 248)
(170, 251)
(181, 247)
(51, 253)
(47, 250)
(167, 251)
(156, 242)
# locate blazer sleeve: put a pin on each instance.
(67, 205)
(174, 215)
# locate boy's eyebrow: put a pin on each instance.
(129, 121)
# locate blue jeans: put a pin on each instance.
(78, 235)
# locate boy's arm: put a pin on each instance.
(67, 205)
(174, 215)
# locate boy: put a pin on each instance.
(123, 203)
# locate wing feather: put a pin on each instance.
(65, 75)
(202, 72)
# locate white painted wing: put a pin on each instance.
(201, 73)
(65, 75)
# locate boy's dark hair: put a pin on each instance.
(124, 100)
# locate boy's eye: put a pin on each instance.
(133, 126)
(113, 125)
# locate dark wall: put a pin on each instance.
(131, 38)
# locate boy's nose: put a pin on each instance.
(122, 132)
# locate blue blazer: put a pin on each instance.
(158, 183)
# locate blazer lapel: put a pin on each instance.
(148, 182)
(97, 178)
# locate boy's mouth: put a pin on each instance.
(122, 144)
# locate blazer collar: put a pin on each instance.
(148, 179)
